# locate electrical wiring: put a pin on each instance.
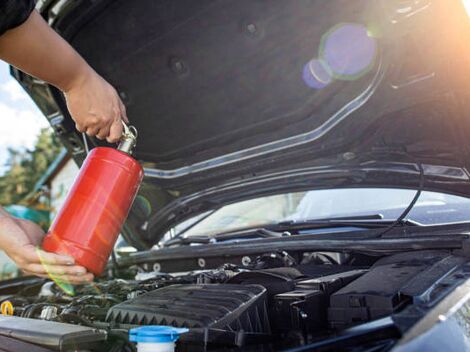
(410, 206)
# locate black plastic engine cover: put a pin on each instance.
(225, 309)
(305, 308)
(48, 334)
(391, 283)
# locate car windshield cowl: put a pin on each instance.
(292, 227)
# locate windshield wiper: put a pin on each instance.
(226, 236)
(371, 221)
(284, 228)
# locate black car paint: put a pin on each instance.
(417, 107)
(416, 114)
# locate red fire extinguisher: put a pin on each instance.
(89, 222)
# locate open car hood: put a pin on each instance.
(236, 99)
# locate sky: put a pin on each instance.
(20, 119)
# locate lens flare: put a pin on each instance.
(316, 75)
(64, 285)
(348, 50)
(466, 4)
(142, 205)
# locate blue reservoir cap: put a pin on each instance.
(156, 333)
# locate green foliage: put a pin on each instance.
(26, 167)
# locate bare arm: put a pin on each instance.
(93, 103)
(36, 49)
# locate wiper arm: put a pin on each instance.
(242, 234)
(367, 221)
(187, 240)
(280, 229)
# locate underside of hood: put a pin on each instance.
(235, 99)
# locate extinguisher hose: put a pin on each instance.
(85, 143)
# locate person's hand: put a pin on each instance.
(96, 107)
(20, 239)
(93, 103)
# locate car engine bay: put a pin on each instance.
(277, 303)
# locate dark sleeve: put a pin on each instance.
(13, 13)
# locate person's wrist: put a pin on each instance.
(77, 79)
(6, 221)
(7, 224)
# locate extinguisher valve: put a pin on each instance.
(128, 139)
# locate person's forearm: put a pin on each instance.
(93, 103)
(35, 48)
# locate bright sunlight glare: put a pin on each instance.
(466, 4)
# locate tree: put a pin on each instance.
(26, 167)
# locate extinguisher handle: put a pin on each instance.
(128, 139)
(129, 131)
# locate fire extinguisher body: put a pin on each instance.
(89, 222)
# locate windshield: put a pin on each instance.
(431, 209)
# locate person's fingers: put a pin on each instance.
(103, 133)
(80, 128)
(92, 131)
(115, 132)
(123, 112)
(35, 274)
(55, 269)
(49, 258)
